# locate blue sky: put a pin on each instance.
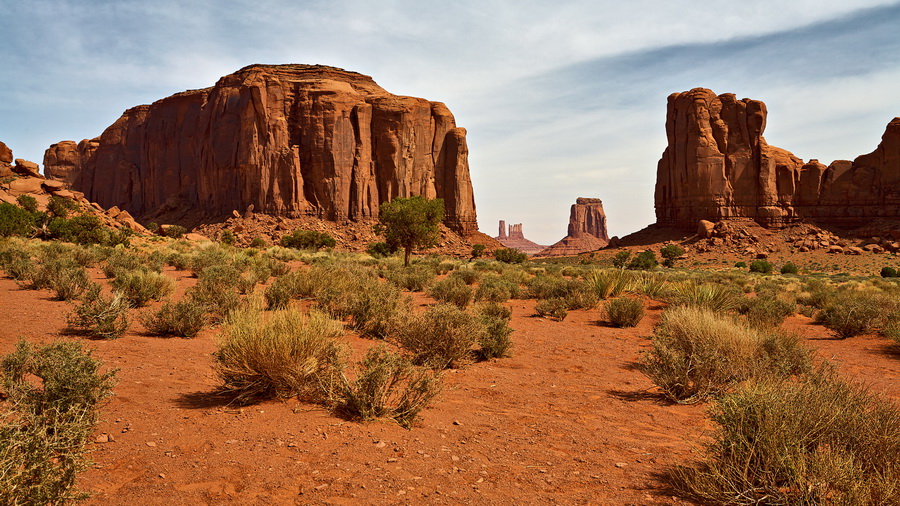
(561, 99)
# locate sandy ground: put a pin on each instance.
(565, 420)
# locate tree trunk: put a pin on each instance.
(406, 256)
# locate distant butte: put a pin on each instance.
(587, 230)
(287, 140)
(516, 239)
(718, 167)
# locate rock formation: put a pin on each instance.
(516, 239)
(6, 158)
(290, 140)
(587, 229)
(717, 166)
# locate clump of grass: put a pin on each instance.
(388, 386)
(608, 283)
(625, 311)
(185, 318)
(580, 296)
(101, 316)
(277, 354)
(544, 286)
(442, 337)
(494, 288)
(141, 286)
(65, 277)
(851, 313)
(495, 342)
(452, 290)
(820, 440)
(767, 310)
(697, 354)
(713, 296)
(46, 424)
(556, 309)
(416, 278)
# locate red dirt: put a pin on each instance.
(566, 420)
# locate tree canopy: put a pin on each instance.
(411, 223)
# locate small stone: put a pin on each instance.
(380, 444)
(621, 464)
(151, 444)
(102, 438)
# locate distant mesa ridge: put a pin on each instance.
(717, 166)
(516, 239)
(291, 140)
(586, 232)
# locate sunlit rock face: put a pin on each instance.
(717, 166)
(290, 140)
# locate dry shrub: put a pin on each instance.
(141, 286)
(442, 337)
(494, 288)
(453, 291)
(495, 342)
(556, 309)
(371, 304)
(713, 296)
(388, 386)
(546, 286)
(277, 354)
(820, 440)
(185, 318)
(101, 316)
(468, 276)
(697, 354)
(608, 283)
(851, 313)
(44, 427)
(415, 278)
(625, 311)
(767, 310)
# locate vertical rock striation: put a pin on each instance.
(717, 166)
(290, 140)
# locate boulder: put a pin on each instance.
(705, 229)
(854, 250)
(26, 168)
(24, 185)
(51, 185)
(835, 249)
(6, 155)
(291, 140)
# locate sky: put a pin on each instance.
(560, 99)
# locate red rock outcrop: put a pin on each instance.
(718, 166)
(6, 158)
(587, 230)
(290, 140)
(64, 160)
(516, 239)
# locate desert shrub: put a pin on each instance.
(388, 386)
(139, 286)
(380, 249)
(453, 291)
(63, 275)
(46, 426)
(415, 278)
(608, 283)
(790, 268)
(28, 203)
(185, 318)
(579, 295)
(493, 288)
(651, 284)
(620, 260)
(625, 311)
(820, 440)
(81, 229)
(644, 261)
(670, 253)
(258, 242)
(15, 259)
(816, 294)
(495, 342)
(468, 276)
(15, 221)
(555, 308)
(712, 296)
(767, 311)
(889, 272)
(697, 353)
(218, 299)
(510, 255)
(285, 355)
(761, 266)
(284, 288)
(59, 207)
(227, 237)
(891, 327)
(851, 313)
(308, 239)
(173, 231)
(478, 251)
(740, 265)
(442, 337)
(100, 316)
(546, 286)
(121, 260)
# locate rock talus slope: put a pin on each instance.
(718, 166)
(291, 140)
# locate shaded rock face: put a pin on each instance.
(64, 161)
(717, 166)
(291, 140)
(587, 229)
(516, 239)
(6, 158)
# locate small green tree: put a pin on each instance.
(478, 250)
(670, 253)
(410, 223)
(510, 255)
(621, 259)
(644, 261)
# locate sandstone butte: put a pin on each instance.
(288, 140)
(587, 230)
(516, 239)
(717, 166)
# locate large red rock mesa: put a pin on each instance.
(516, 239)
(290, 140)
(587, 229)
(718, 166)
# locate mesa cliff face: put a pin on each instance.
(587, 229)
(718, 166)
(291, 140)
